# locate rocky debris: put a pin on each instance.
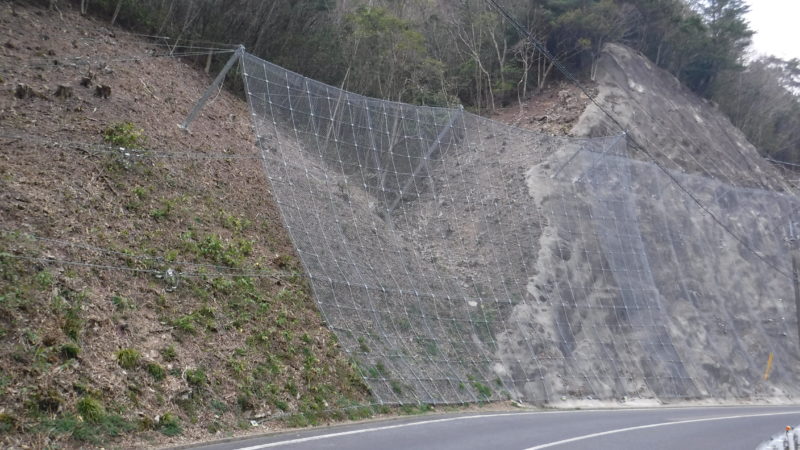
(554, 110)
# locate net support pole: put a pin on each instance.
(237, 55)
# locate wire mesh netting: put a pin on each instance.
(459, 259)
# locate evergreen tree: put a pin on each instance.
(729, 35)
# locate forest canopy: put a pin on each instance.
(445, 52)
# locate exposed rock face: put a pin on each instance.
(665, 297)
(684, 132)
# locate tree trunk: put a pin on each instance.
(54, 7)
(116, 12)
(186, 23)
(166, 18)
(547, 69)
(526, 67)
(208, 61)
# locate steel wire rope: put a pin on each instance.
(233, 271)
(778, 161)
(157, 37)
(474, 325)
(315, 210)
(85, 61)
(453, 116)
(608, 273)
(132, 153)
(471, 161)
(393, 138)
(194, 49)
(413, 175)
(47, 259)
(362, 274)
(505, 251)
(411, 288)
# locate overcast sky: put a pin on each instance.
(776, 25)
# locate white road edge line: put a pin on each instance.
(369, 430)
(483, 416)
(655, 425)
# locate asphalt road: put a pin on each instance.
(653, 429)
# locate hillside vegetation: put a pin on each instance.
(438, 52)
(148, 291)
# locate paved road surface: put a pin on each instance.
(652, 429)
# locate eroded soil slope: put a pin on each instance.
(149, 291)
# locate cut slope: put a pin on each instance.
(716, 299)
(460, 259)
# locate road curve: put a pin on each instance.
(739, 427)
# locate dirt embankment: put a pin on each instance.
(148, 291)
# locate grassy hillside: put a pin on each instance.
(147, 288)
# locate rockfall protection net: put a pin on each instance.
(459, 259)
